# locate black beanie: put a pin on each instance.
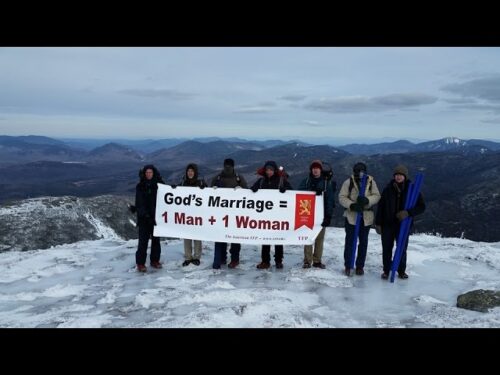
(229, 162)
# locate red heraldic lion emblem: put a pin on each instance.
(304, 210)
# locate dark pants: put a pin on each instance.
(220, 253)
(145, 233)
(362, 244)
(266, 253)
(389, 237)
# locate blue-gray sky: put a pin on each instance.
(344, 93)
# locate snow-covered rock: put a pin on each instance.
(41, 223)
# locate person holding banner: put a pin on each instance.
(190, 178)
(272, 178)
(357, 204)
(390, 214)
(321, 183)
(145, 204)
(228, 178)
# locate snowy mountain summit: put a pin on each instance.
(95, 284)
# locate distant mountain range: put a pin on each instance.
(440, 145)
(461, 187)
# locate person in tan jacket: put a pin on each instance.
(354, 204)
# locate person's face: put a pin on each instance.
(316, 172)
(190, 173)
(149, 174)
(399, 178)
(269, 172)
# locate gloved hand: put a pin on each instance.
(319, 191)
(132, 208)
(282, 189)
(255, 189)
(326, 221)
(362, 201)
(237, 187)
(214, 187)
(378, 229)
(401, 215)
(173, 186)
(356, 207)
(202, 186)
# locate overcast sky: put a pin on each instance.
(305, 93)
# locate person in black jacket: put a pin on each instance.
(390, 214)
(272, 179)
(145, 204)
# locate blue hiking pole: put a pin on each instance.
(411, 200)
(364, 178)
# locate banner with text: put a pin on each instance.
(239, 215)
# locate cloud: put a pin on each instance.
(293, 98)
(158, 93)
(477, 107)
(262, 107)
(459, 101)
(482, 88)
(312, 123)
(267, 104)
(256, 109)
(495, 121)
(355, 104)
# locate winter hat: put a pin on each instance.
(358, 167)
(229, 162)
(401, 169)
(316, 164)
(271, 164)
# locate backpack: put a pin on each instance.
(327, 171)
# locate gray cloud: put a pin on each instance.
(293, 98)
(483, 88)
(312, 123)
(370, 104)
(262, 107)
(495, 121)
(158, 93)
(267, 104)
(459, 101)
(477, 107)
(256, 109)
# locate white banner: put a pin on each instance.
(266, 217)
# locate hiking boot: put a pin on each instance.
(186, 263)
(263, 266)
(385, 276)
(196, 262)
(306, 265)
(141, 268)
(233, 264)
(156, 265)
(402, 275)
(359, 271)
(319, 265)
(279, 265)
(347, 271)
